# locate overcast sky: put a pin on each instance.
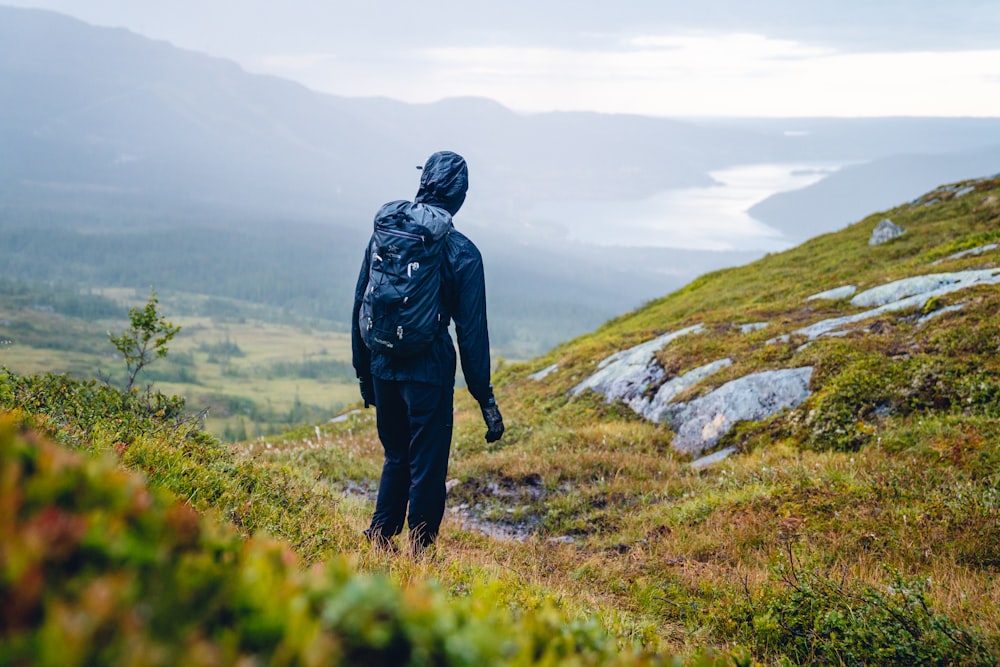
(656, 57)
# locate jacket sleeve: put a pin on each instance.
(470, 324)
(362, 356)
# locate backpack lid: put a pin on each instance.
(413, 218)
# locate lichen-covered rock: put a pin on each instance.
(975, 251)
(544, 373)
(941, 311)
(834, 294)
(629, 373)
(899, 295)
(933, 284)
(635, 377)
(701, 423)
(885, 231)
(968, 253)
(654, 408)
(713, 458)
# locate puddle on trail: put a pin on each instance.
(475, 499)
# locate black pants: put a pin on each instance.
(415, 427)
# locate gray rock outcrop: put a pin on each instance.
(635, 377)
(934, 284)
(834, 294)
(701, 423)
(656, 407)
(941, 311)
(629, 373)
(899, 295)
(544, 373)
(885, 231)
(968, 253)
(713, 458)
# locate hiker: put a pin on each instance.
(403, 353)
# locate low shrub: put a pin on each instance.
(812, 618)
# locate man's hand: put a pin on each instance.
(493, 419)
(367, 390)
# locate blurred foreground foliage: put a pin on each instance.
(152, 433)
(99, 566)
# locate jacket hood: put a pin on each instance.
(444, 181)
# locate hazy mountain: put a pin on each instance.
(94, 110)
(863, 139)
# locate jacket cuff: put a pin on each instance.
(488, 398)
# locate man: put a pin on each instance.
(413, 395)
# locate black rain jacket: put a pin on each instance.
(443, 183)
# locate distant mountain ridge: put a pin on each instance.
(107, 132)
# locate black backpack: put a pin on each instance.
(401, 311)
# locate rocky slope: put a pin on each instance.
(915, 279)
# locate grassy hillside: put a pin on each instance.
(887, 471)
(861, 526)
(253, 374)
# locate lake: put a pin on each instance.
(703, 218)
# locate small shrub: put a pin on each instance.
(145, 340)
(811, 618)
(932, 304)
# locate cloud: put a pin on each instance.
(742, 44)
(772, 57)
(731, 74)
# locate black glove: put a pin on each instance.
(493, 419)
(367, 389)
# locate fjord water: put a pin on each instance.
(712, 217)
